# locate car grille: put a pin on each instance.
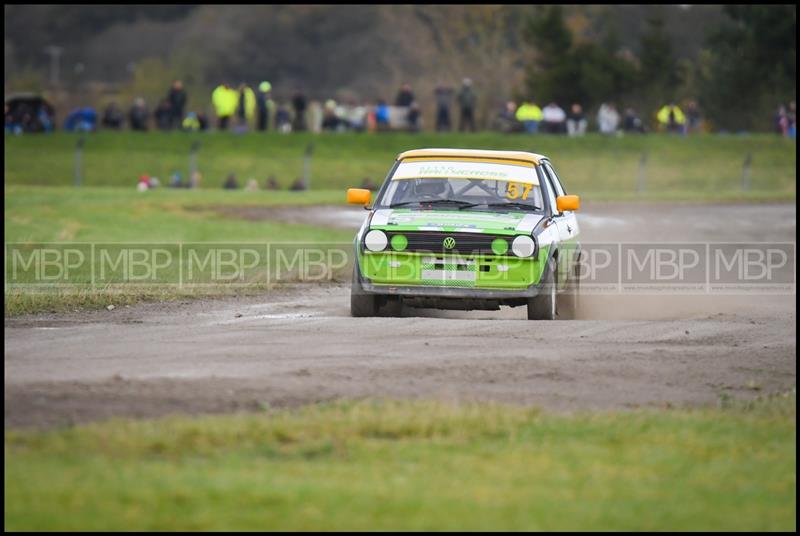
(433, 242)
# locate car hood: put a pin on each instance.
(450, 221)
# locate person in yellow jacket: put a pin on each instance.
(530, 116)
(225, 99)
(670, 118)
(191, 123)
(245, 105)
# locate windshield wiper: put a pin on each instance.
(458, 202)
(461, 204)
(524, 206)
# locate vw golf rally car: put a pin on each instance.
(467, 229)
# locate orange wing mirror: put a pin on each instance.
(358, 196)
(568, 202)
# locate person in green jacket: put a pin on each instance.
(670, 118)
(225, 99)
(265, 105)
(530, 116)
(245, 105)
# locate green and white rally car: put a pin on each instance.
(467, 229)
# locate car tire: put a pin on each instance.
(568, 305)
(361, 303)
(543, 306)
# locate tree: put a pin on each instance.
(752, 66)
(564, 72)
(658, 75)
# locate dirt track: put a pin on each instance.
(299, 345)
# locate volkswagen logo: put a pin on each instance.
(449, 242)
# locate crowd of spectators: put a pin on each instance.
(242, 108)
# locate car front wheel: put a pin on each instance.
(361, 303)
(543, 306)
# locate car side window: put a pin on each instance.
(548, 184)
(555, 180)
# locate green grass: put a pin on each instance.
(703, 166)
(412, 466)
(64, 214)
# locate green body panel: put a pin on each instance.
(414, 269)
(449, 221)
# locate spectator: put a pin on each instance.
(576, 121)
(163, 115)
(413, 117)
(553, 117)
(298, 185)
(45, 121)
(506, 120)
(782, 121)
(144, 183)
(195, 179)
(176, 180)
(466, 101)
(177, 103)
(382, 115)
(138, 116)
(299, 103)
(245, 106)
(330, 121)
(631, 122)
(272, 183)
(203, 121)
(12, 126)
(283, 119)
(252, 185)
(191, 123)
(607, 118)
(113, 118)
(263, 104)
(225, 99)
(80, 120)
(792, 116)
(443, 97)
(671, 119)
(354, 116)
(405, 96)
(693, 117)
(154, 183)
(530, 116)
(230, 183)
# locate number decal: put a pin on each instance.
(514, 190)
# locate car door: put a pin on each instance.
(567, 225)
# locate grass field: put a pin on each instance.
(65, 214)
(413, 466)
(677, 168)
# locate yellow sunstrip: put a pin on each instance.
(504, 161)
(471, 169)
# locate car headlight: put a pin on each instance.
(375, 240)
(523, 246)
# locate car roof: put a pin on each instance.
(474, 153)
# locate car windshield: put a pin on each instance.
(463, 185)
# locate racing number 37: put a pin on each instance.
(516, 190)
